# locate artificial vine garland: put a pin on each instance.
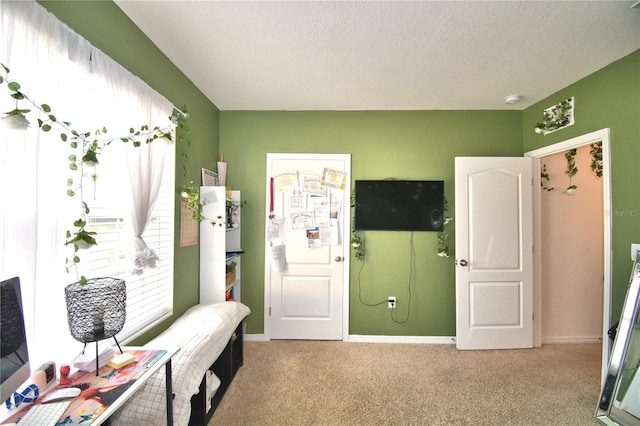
(357, 237)
(596, 158)
(91, 144)
(443, 236)
(572, 169)
(544, 178)
(556, 117)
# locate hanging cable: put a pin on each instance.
(411, 256)
(360, 285)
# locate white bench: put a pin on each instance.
(202, 333)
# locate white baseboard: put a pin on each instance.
(254, 338)
(356, 338)
(432, 340)
(570, 339)
(435, 340)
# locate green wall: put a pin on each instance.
(608, 98)
(109, 29)
(403, 144)
(422, 145)
(399, 144)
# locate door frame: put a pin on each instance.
(345, 235)
(596, 136)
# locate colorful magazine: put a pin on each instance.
(100, 391)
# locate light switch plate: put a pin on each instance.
(635, 247)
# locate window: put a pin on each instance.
(150, 294)
(82, 85)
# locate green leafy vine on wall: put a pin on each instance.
(443, 236)
(544, 179)
(572, 169)
(556, 117)
(357, 237)
(596, 158)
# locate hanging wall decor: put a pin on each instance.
(596, 158)
(556, 117)
(544, 179)
(572, 169)
(443, 236)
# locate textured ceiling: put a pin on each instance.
(386, 55)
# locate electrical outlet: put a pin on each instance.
(392, 302)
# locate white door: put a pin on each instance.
(494, 252)
(308, 299)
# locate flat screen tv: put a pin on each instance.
(399, 205)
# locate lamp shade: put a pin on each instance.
(96, 310)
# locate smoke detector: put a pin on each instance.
(512, 99)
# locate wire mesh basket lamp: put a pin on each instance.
(96, 310)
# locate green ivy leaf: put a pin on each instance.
(63, 136)
(76, 259)
(14, 86)
(46, 128)
(46, 108)
(74, 144)
(69, 182)
(52, 118)
(83, 280)
(70, 193)
(73, 158)
(90, 157)
(73, 166)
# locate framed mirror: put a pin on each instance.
(619, 402)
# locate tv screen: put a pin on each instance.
(399, 205)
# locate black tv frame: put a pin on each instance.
(399, 205)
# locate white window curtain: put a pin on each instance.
(143, 176)
(53, 65)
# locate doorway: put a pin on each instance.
(539, 155)
(307, 246)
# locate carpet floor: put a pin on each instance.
(292, 382)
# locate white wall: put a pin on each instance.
(572, 252)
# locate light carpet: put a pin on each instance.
(292, 382)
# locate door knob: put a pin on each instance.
(463, 262)
(339, 258)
